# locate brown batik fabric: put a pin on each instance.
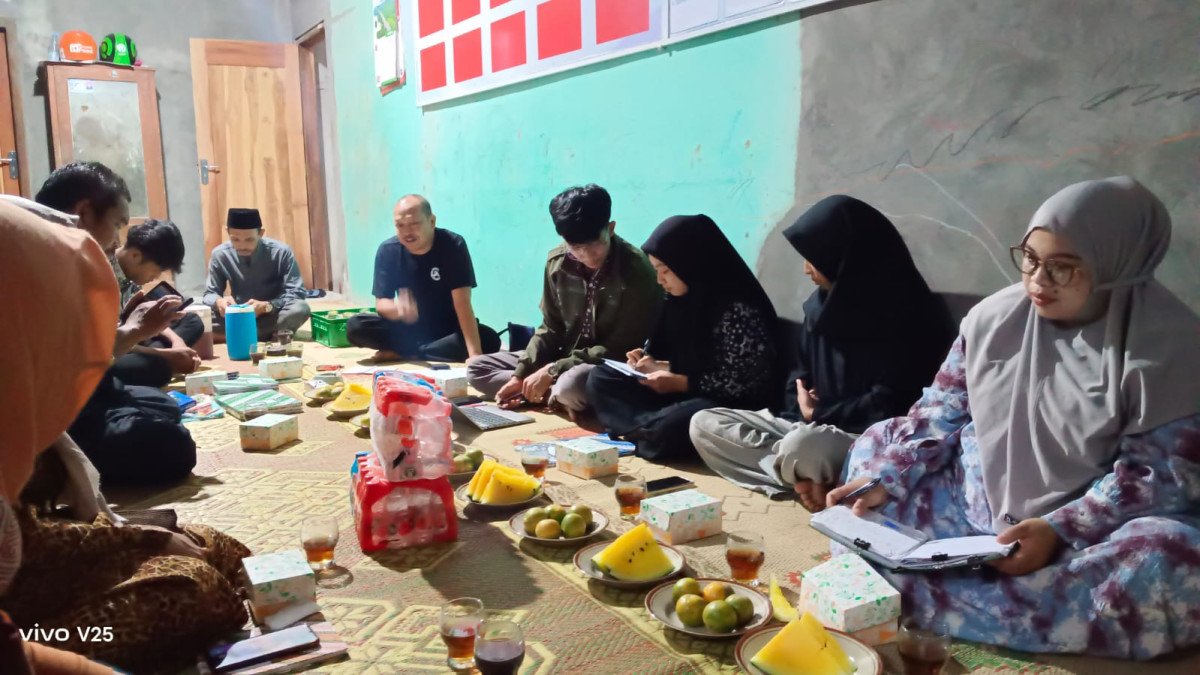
(161, 609)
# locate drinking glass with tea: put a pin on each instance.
(459, 625)
(924, 651)
(745, 554)
(630, 490)
(499, 648)
(319, 536)
(535, 460)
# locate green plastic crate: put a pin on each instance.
(331, 332)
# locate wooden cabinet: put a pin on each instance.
(109, 114)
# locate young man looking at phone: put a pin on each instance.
(150, 249)
(90, 196)
(258, 271)
(423, 282)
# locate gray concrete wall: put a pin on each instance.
(308, 13)
(162, 30)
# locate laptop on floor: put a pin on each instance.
(484, 416)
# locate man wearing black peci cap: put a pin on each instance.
(258, 271)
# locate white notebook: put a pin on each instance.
(622, 367)
(900, 548)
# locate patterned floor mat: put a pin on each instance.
(388, 610)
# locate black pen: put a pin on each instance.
(860, 491)
(646, 348)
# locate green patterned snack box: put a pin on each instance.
(282, 368)
(253, 403)
(683, 516)
(846, 593)
(276, 580)
(269, 431)
(586, 458)
(244, 383)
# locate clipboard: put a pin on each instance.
(899, 548)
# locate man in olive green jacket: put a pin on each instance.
(600, 298)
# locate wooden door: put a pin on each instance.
(10, 161)
(109, 114)
(250, 133)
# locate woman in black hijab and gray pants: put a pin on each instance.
(713, 344)
(873, 336)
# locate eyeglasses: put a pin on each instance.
(1061, 273)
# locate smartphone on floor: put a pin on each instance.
(662, 486)
(226, 658)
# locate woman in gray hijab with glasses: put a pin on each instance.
(1066, 418)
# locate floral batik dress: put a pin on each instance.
(1127, 582)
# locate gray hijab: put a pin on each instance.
(1052, 402)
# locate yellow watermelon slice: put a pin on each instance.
(634, 556)
(480, 477)
(827, 642)
(353, 397)
(508, 488)
(796, 650)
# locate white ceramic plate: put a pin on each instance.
(308, 394)
(461, 495)
(863, 657)
(583, 563)
(362, 421)
(662, 607)
(599, 524)
(344, 414)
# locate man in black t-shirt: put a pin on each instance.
(423, 282)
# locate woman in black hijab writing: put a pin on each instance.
(713, 344)
(873, 336)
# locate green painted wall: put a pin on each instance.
(709, 126)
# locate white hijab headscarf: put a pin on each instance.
(1051, 402)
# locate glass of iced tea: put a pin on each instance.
(459, 625)
(500, 648)
(631, 490)
(924, 651)
(535, 460)
(745, 555)
(319, 536)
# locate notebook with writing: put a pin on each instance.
(903, 549)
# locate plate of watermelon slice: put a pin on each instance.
(497, 486)
(768, 650)
(633, 561)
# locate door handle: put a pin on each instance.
(205, 169)
(11, 161)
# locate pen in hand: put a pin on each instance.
(860, 491)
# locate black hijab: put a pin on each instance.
(857, 247)
(879, 329)
(697, 252)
